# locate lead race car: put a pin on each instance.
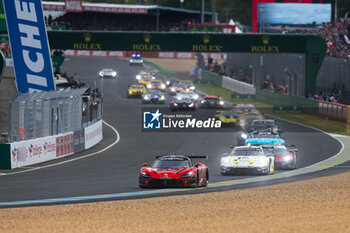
(247, 159)
(174, 171)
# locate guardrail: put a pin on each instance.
(24, 153)
(237, 86)
(334, 111)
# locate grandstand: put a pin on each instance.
(104, 16)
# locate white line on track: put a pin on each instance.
(71, 160)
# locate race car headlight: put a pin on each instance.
(146, 97)
(222, 102)
(225, 160)
(179, 98)
(202, 101)
(167, 83)
(101, 73)
(172, 89)
(146, 175)
(244, 135)
(130, 60)
(175, 104)
(191, 105)
(187, 175)
(149, 85)
(163, 86)
(196, 97)
(287, 158)
(130, 92)
(114, 74)
(192, 88)
(162, 97)
(138, 77)
(153, 77)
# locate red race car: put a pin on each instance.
(174, 171)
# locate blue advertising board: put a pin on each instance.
(29, 44)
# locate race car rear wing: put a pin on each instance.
(192, 157)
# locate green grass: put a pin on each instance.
(160, 69)
(327, 125)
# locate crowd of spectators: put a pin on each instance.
(282, 89)
(124, 22)
(337, 36)
(334, 97)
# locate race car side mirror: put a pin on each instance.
(144, 165)
(196, 165)
(232, 146)
(295, 150)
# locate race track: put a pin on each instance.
(116, 170)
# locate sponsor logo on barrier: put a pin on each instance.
(14, 154)
(147, 46)
(265, 48)
(29, 44)
(30, 150)
(87, 45)
(206, 47)
(73, 5)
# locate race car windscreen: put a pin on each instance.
(281, 151)
(263, 123)
(268, 150)
(258, 135)
(171, 164)
(250, 152)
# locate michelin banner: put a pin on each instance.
(29, 44)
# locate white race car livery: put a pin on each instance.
(247, 159)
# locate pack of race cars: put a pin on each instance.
(260, 149)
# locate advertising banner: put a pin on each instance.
(64, 145)
(33, 151)
(29, 44)
(93, 134)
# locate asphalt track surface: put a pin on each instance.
(116, 170)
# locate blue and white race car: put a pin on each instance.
(136, 59)
(247, 159)
(153, 97)
(257, 138)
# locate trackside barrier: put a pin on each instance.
(237, 86)
(24, 153)
(121, 54)
(334, 111)
(39, 150)
(93, 134)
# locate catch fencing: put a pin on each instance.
(42, 114)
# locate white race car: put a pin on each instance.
(247, 159)
(187, 95)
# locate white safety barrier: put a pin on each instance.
(334, 111)
(121, 54)
(93, 134)
(237, 86)
(39, 150)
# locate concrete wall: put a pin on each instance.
(7, 91)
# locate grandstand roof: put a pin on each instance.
(116, 8)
